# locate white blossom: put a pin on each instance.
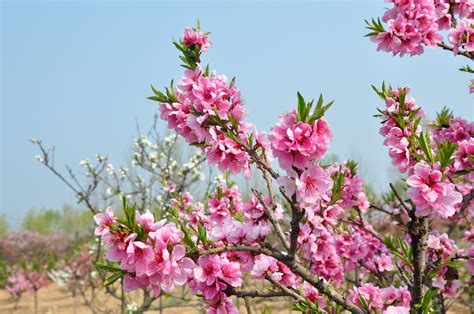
(84, 163)
(110, 169)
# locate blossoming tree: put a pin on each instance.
(311, 233)
(157, 167)
(26, 259)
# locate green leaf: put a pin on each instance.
(424, 142)
(154, 98)
(427, 298)
(301, 107)
(363, 302)
(107, 267)
(467, 69)
(110, 280)
(401, 101)
(239, 216)
(379, 93)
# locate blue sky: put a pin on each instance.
(77, 74)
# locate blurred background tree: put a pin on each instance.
(67, 220)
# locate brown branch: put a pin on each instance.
(361, 226)
(289, 292)
(258, 294)
(295, 267)
(460, 52)
(271, 216)
(399, 198)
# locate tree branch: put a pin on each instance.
(460, 52)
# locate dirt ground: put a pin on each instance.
(54, 300)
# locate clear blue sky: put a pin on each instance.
(76, 74)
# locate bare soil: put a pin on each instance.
(55, 300)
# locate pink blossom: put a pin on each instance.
(353, 192)
(457, 131)
(147, 221)
(227, 154)
(381, 299)
(371, 294)
(138, 256)
(131, 283)
(169, 269)
(222, 305)
(398, 148)
(277, 271)
(397, 310)
(384, 263)
(104, 220)
(431, 193)
(462, 36)
(313, 185)
(464, 158)
(312, 295)
(196, 37)
(411, 25)
(25, 281)
(224, 203)
(296, 143)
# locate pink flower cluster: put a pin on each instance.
(381, 298)
(157, 258)
(296, 144)
(457, 131)
(431, 193)
(266, 266)
(154, 259)
(313, 185)
(353, 193)
(224, 203)
(207, 107)
(313, 296)
(358, 245)
(192, 213)
(460, 132)
(463, 36)
(212, 278)
(318, 245)
(196, 37)
(440, 248)
(396, 135)
(330, 249)
(411, 25)
(465, 157)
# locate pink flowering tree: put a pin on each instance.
(77, 275)
(28, 257)
(310, 232)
